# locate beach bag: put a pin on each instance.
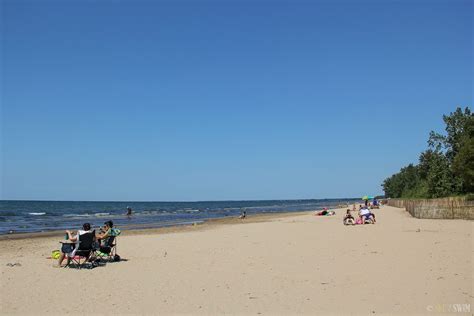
(55, 254)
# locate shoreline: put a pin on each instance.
(141, 229)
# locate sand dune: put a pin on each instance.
(298, 264)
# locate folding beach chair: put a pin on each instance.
(108, 250)
(84, 250)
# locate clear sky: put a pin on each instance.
(217, 100)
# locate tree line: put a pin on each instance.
(446, 168)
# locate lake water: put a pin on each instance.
(37, 216)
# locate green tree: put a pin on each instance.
(405, 183)
(455, 126)
(446, 168)
(463, 164)
(440, 180)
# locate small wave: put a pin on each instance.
(191, 211)
(101, 214)
(37, 214)
(77, 215)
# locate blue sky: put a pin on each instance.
(207, 100)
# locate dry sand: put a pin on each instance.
(283, 264)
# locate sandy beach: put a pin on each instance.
(276, 265)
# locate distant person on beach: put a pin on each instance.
(129, 211)
(325, 212)
(243, 214)
(375, 203)
(72, 240)
(365, 213)
(348, 219)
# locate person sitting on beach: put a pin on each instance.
(375, 204)
(106, 231)
(365, 213)
(86, 228)
(348, 219)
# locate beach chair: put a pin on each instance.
(108, 250)
(81, 255)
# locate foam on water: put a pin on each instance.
(101, 214)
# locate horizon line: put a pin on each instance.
(189, 201)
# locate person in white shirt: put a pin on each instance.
(73, 240)
(365, 212)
